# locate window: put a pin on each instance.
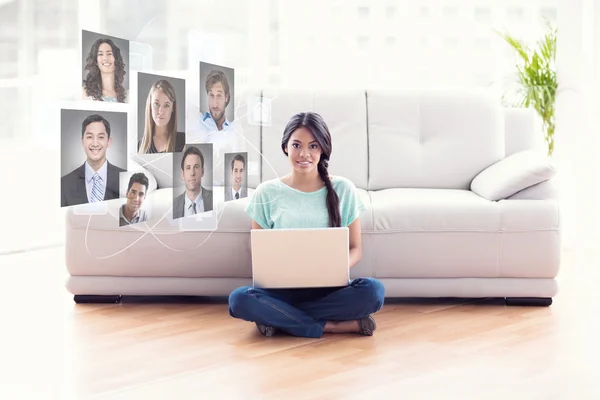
(8, 55)
(274, 52)
(450, 12)
(363, 12)
(363, 42)
(549, 13)
(450, 42)
(515, 14)
(483, 14)
(390, 11)
(274, 79)
(9, 101)
(23, 99)
(482, 43)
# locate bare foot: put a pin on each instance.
(342, 327)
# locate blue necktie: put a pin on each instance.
(97, 189)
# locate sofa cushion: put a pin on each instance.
(513, 174)
(346, 117)
(446, 254)
(445, 210)
(435, 233)
(431, 139)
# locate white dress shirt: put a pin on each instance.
(187, 207)
(233, 192)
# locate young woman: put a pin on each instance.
(160, 130)
(309, 198)
(106, 72)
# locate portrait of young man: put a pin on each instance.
(97, 179)
(131, 212)
(236, 188)
(195, 199)
(216, 96)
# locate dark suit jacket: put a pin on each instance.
(179, 203)
(72, 186)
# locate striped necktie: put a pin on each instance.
(97, 189)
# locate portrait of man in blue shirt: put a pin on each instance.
(219, 96)
(225, 135)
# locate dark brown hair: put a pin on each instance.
(191, 150)
(238, 157)
(317, 126)
(93, 80)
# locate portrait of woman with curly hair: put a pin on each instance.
(106, 72)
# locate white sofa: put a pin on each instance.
(460, 202)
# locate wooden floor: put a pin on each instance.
(52, 348)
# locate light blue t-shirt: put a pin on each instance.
(275, 205)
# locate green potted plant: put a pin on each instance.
(536, 79)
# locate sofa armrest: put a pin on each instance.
(513, 174)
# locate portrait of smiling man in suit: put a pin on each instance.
(96, 179)
(235, 187)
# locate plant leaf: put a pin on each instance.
(536, 77)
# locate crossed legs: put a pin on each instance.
(310, 312)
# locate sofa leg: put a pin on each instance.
(529, 301)
(96, 299)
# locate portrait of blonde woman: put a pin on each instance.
(160, 134)
(106, 72)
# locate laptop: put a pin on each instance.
(300, 258)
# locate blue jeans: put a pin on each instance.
(304, 312)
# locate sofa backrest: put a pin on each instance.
(431, 139)
(387, 139)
